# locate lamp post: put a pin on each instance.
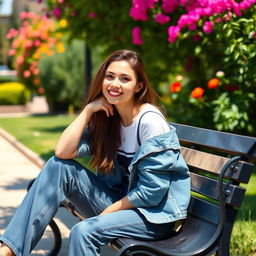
(88, 68)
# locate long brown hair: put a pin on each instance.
(104, 135)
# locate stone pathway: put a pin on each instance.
(16, 170)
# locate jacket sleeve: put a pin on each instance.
(153, 179)
(83, 148)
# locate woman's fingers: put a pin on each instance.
(102, 104)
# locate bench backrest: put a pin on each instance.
(207, 152)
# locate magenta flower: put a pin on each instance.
(136, 36)
(138, 13)
(92, 15)
(56, 12)
(169, 6)
(196, 38)
(173, 33)
(39, 1)
(208, 26)
(162, 19)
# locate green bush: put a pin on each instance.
(6, 79)
(13, 93)
(62, 77)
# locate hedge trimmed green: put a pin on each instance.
(13, 93)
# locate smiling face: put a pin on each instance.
(120, 84)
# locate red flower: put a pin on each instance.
(197, 92)
(213, 83)
(175, 87)
(232, 88)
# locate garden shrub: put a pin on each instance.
(13, 93)
(62, 77)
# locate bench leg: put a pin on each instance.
(224, 245)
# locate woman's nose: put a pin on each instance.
(115, 82)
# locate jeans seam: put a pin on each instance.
(11, 246)
(86, 194)
(120, 225)
(46, 208)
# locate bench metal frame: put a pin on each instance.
(218, 163)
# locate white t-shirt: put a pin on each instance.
(151, 124)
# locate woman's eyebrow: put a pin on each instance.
(122, 74)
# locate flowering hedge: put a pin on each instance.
(191, 39)
(36, 37)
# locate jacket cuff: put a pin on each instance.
(135, 200)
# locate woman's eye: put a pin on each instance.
(108, 76)
(125, 79)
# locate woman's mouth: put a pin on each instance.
(114, 93)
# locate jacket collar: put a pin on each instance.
(156, 144)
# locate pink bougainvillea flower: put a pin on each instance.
(12, 52)
(213, 83)
(196, 38)
(60, 1)
(74, 14)
(36, 71)
(162, 19)
(57, 12)
(26, 73)
(208, 26)
(139, 9)
(170, 6)
(175, 87)
(136, 35)
(198, 92)
(12, 33)
(39, 1)
(91, 15)
(173, 33)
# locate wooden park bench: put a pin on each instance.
(219, 162)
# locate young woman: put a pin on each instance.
(142, 184)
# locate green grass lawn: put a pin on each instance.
(40, 134)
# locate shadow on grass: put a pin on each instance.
(248, 209)
(48, 155)
(56, 129)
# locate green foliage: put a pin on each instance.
(62, 77)
(5, 79)
(13, 93)
(197, 56)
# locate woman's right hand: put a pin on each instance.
(100, 104)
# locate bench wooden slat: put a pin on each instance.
(204, 210)
(226, 142)
(208, 187)
(213, 164)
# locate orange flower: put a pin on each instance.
(197, 92)
(175, 87)
(213, 83)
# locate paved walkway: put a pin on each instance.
(16, 170)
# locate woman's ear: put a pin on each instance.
(139, 86)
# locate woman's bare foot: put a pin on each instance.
(5, 250)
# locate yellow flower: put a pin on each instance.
(63, 23)
(36, 55)
(50, 53)
(43, 48)
(58, 35)
(60, 47)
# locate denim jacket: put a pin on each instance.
(159, 184)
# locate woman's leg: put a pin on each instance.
(87, 237)
(57, 180)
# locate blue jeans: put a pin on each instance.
(61, 179)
